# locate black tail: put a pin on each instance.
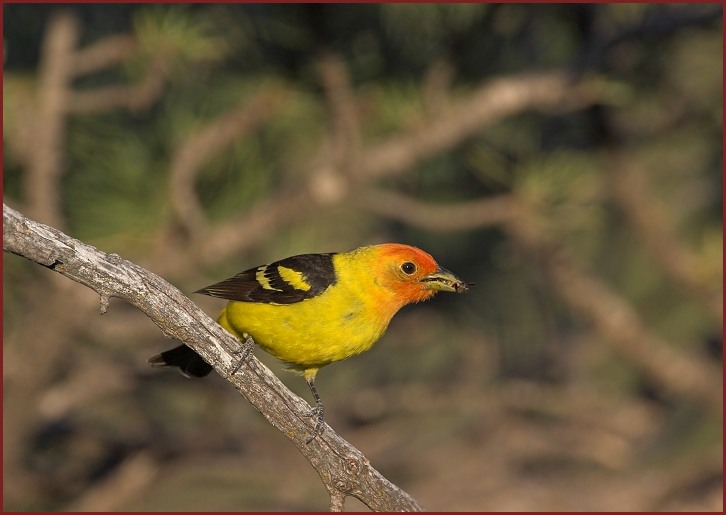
(189, 362)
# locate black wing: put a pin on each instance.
(287, 281)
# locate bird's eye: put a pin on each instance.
(408, 268)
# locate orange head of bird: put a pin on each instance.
(412, 274)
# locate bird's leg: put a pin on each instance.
(318, 411)
(244, 352)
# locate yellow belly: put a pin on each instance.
(308, 334)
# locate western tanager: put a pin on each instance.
(313, 309)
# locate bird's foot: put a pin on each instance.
(244, 352)
(318, 413)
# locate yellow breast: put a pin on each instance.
(311, 333)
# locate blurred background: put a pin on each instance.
(565, 158)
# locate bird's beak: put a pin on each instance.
(443, 280)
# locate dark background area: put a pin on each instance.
(565, 158)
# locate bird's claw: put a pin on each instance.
(244, 352)
(317, 412)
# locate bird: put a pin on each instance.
(311, 310)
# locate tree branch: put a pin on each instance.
(41, 182)
(104, 53)
(134, 97)
(488, 104)
(461, 216)
(209, 140)
(343, 469)
(345, 130)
